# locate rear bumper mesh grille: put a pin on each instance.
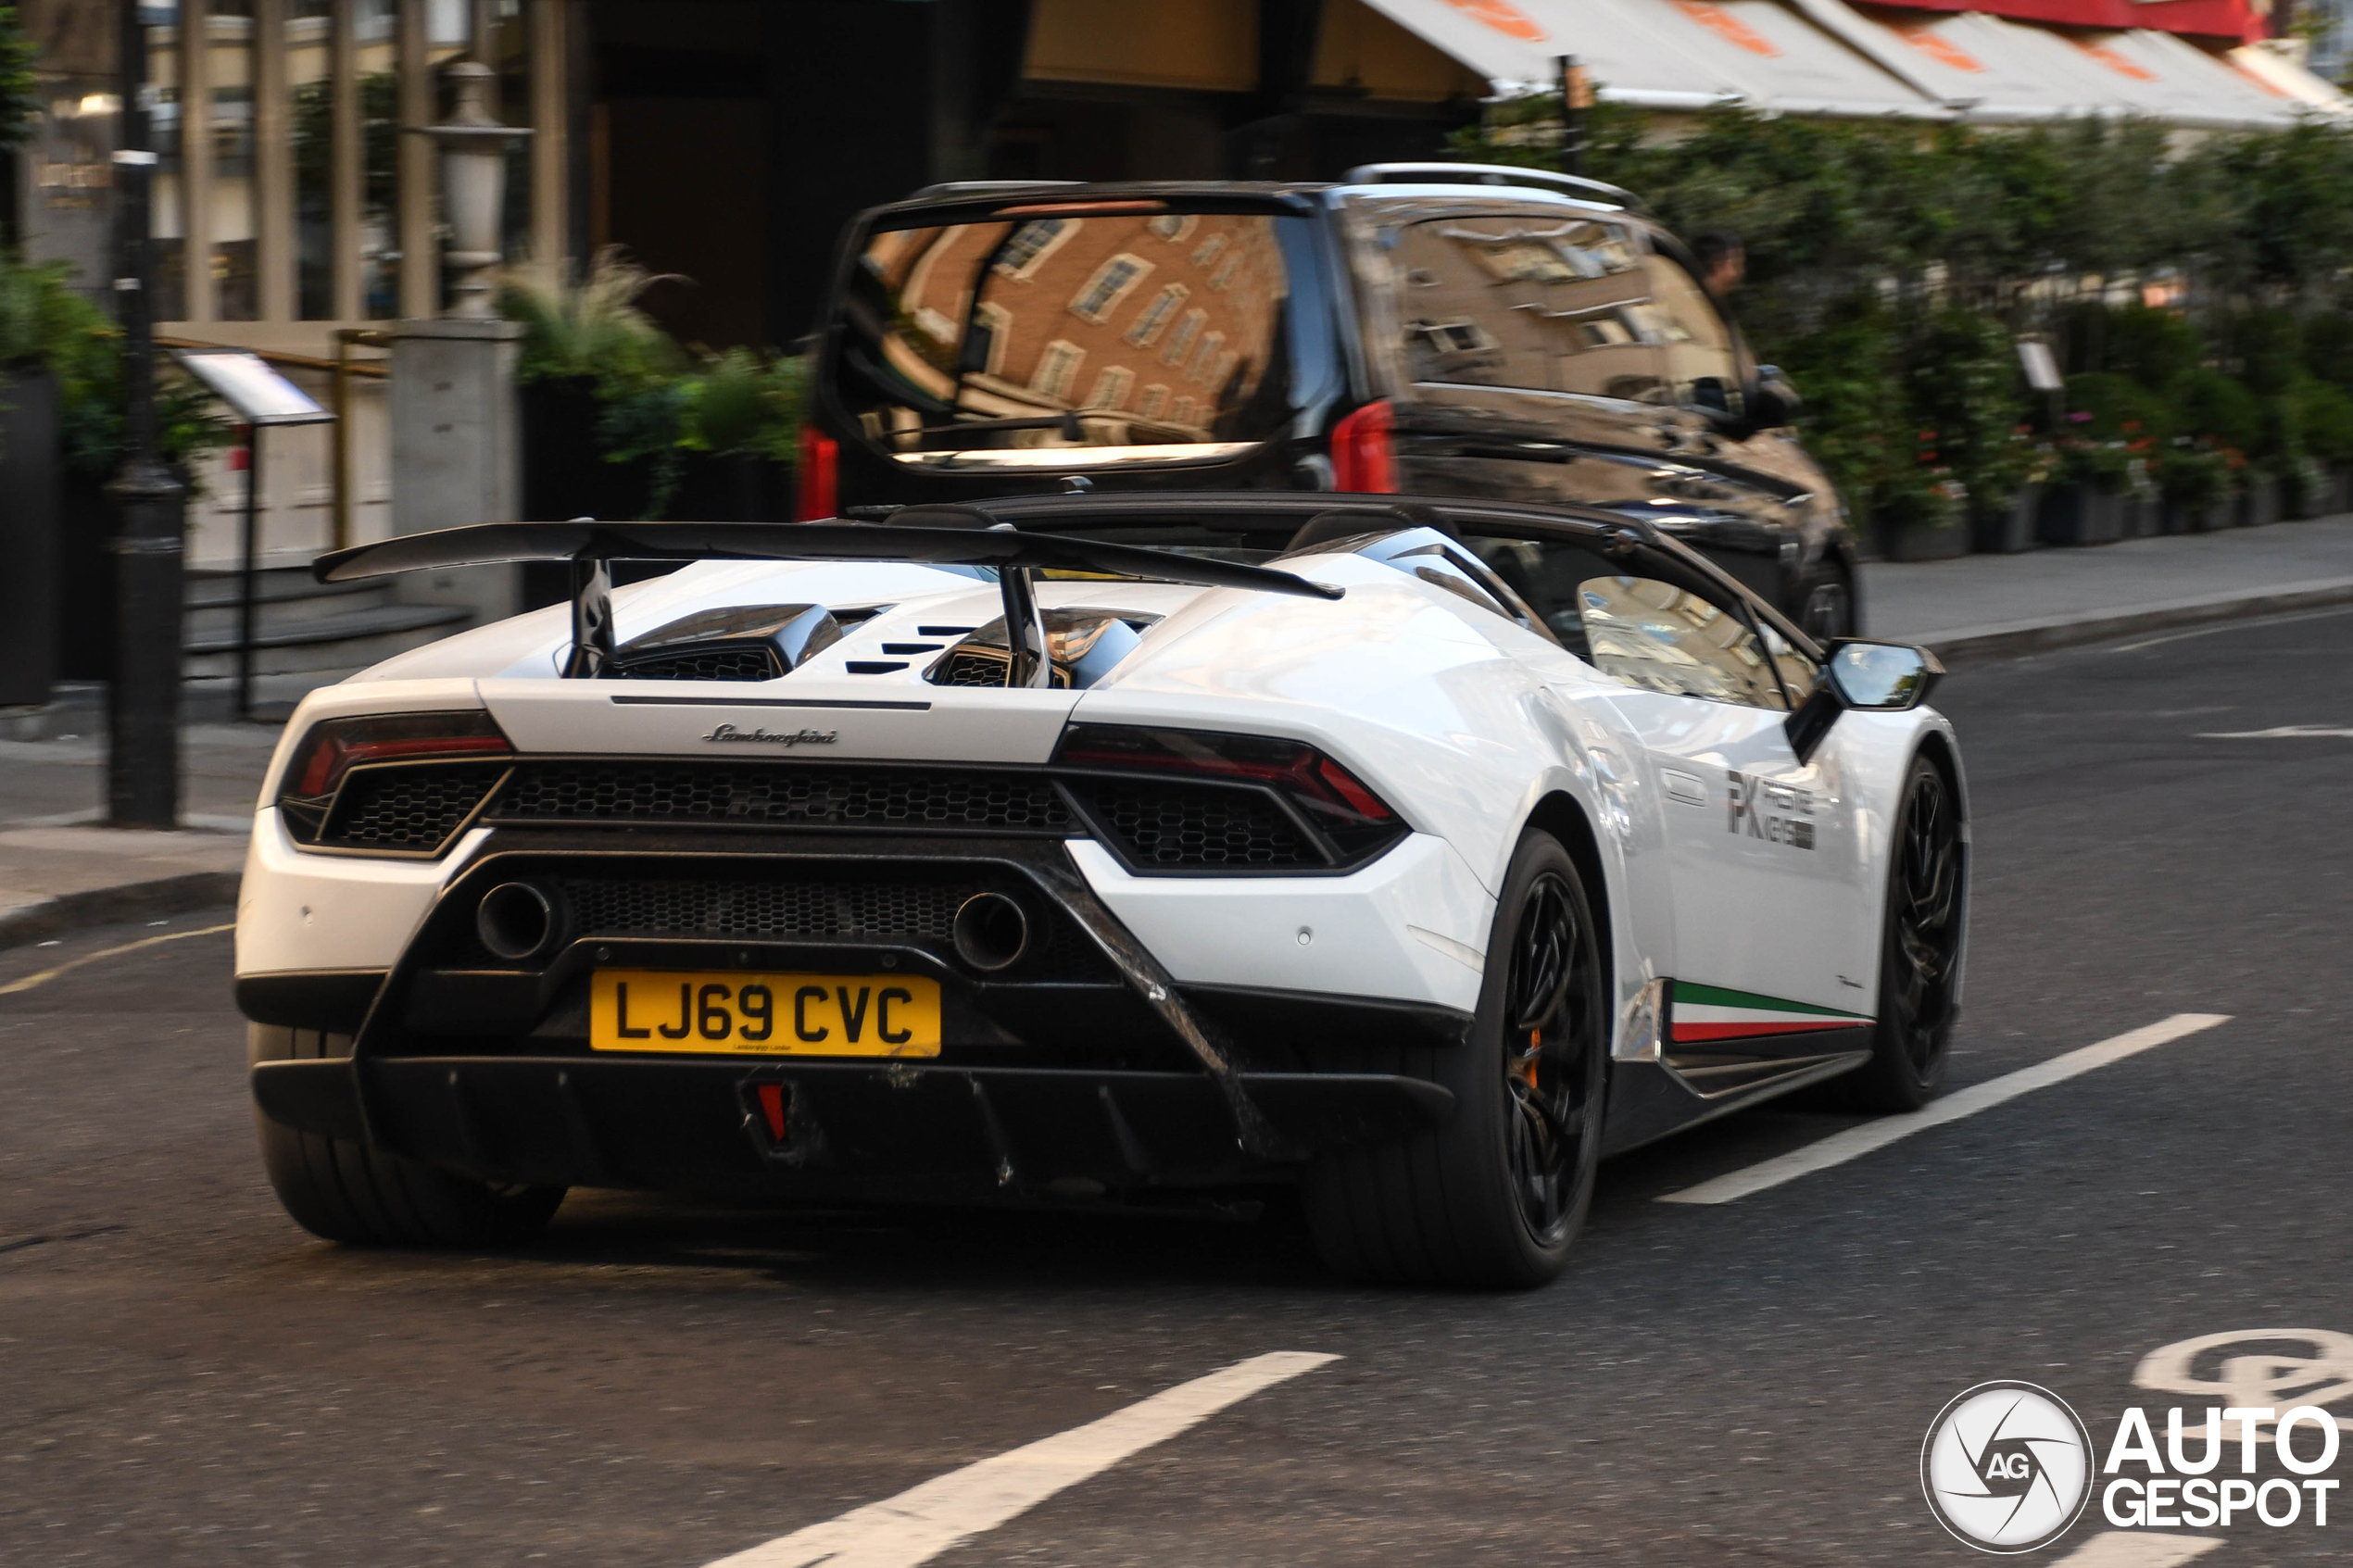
(1153, 824)
(767, 910)
(756, 795)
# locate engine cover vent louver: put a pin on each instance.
(737, 643)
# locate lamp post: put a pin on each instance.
(473, 184)
(142, 700)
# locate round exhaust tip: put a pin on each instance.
(516, 920)
(991, 931)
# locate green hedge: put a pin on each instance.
(1891, 266)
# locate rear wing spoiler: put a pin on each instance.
(589, 546)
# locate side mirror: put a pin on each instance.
(1773, 402)
(1875, 677)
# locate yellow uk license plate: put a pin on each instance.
(739, 1014)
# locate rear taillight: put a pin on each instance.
(819, 491)
(334, 749)
(1354, 822)
(1363, 453)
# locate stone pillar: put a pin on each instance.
(457, 450)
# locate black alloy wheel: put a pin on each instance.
(1552, 1115)
(1920, 949)
(1494, 1197)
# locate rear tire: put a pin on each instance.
(1919, 951)
(347, 1192)
(1495, 1197)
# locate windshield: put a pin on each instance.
(1142, 336)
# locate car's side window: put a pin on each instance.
(1655, 636)
(1798, 672)
(1703, 370)
(1457, 319)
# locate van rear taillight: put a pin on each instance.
(820, 491)
(1363, 453)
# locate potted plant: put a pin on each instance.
(2195, 481)
(2085, 505)
(2258, 496)
(1926, 518)
(2004, 523)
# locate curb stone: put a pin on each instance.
(2009, 638)
(109, 906)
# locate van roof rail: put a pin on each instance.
(986, 187)
(1488, 174)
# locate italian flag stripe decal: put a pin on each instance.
(1711, 1013)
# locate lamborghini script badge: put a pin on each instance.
(730, 734)
(1770, 812)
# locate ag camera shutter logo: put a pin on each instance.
(2006, 1467)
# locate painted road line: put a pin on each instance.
(2281, 732)
(2137, 1549)
(920, 1524)
(2252, 623)
(44, 977)
(1840, 1147)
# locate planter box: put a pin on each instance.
(1913, 541)
(2259, 503)
(2010, 531)
(2076, 514)
(2340, 497)
(31, 508)
(2144, 516)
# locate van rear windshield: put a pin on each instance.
(1139, 336)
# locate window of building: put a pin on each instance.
(1183, 411)
(1110, 284)
(1112, 387)
(1154, 316)
(1155, 399)
(1206, 355)
(1188, 328)
(1033, 243)
(992, 324)
(1057, 368)
(1209, 250)
(1173, 226)
(1225, 271)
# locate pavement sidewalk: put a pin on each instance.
(1991, 605)
(61, 868)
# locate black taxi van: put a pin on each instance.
(1417, 329)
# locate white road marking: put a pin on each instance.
(923, 1522)
(2250, 623)
(2137, 1549)
(1840, 1147)
(2283, 732)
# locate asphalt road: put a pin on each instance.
(184, 1377)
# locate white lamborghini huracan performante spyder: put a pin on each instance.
(1130, 850)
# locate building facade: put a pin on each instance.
(724, 143)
